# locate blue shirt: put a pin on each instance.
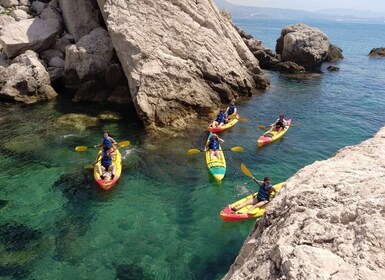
(263, 193)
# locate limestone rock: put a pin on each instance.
(19, 15)
(181, 58)
(25, 80)
(304, 45)
(87, 59)
(377, 52)
(31, 34)
(327, 222)
(80, 17)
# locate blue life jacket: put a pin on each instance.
(106, 159)
(263, 193)
(231, 110)
(214, 144)
(107, 142)
(221, 118)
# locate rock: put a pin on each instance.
(56, 62)
(25, 80)
(327, 222)
(4, 20)
(9, 3)
(80, 122)
(183, 57)
(88, 59)
(31, 34)
(334, 54)
(377, 52)
(76, 25)
(47, 55)
(332, 68)
(304, 45)
(19, 15)
(38, 7)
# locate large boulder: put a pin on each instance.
(304, 45)
(32, 34)
(377, 52)
(25, 80)
(80, 17)
(181, 58)
(328, 222)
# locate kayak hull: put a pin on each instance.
(108, 184)
(217, 167)
(230, 216)
(271, 136)
(233, 120)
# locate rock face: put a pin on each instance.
(328, 222)
(304, 45)
(30, 87)
(377, 52)
(181, 58)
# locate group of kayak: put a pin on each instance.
(246, 207)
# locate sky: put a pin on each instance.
(314, 5)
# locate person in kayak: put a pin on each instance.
(279, 124)
(213, 146)
(220, 120)
(107, 140)
(232, 109)
(262, 197)
(106, 162)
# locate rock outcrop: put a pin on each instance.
(377, 52)
(328, 222)
(32, 86)
(304, 45)
(181, 58)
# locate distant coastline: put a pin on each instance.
(238, 11)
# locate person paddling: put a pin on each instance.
(213, 146)
(107, 140)
(262, 197)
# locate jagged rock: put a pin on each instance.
(31, 34)
(327, 222)
(182, 56)
(25, 80)
(76, 25)
(88, 59)
(332, 68)
(334, 54)
(304, 45)
(120, 95)
(9, 3)
(4, 20)
(63, 42)
(56, 62)
(47, 55)
(377, 52)
(79, 122)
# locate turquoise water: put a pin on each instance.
(161, 221)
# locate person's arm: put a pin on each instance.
(221, 140)
(113, 141)
(257, 181)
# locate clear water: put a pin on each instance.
(161, 221)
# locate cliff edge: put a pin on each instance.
(328, 222)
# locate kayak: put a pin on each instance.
(230, 216)
(271, 136)
(107, 183)
(234, 118)
(217, 167)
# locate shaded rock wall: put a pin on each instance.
(327, 223)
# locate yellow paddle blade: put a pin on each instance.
(81, 148)
(237, 149)
(124, 143)
(262, 127)
(245, 170)
(88, 166)
(243, 119)
(193, 151)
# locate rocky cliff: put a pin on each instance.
(328, 222)
(182, 58)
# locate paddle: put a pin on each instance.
(246, 171)
(263, 127)
(197, 151)
(120, 144)
(84, 148)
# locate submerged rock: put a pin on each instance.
(18, 237)
(327, 222)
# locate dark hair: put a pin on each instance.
(106, 148)
(105, 131)
(267, 178)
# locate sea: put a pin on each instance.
(161, 221)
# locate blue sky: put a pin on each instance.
(313, 5)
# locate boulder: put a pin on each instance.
(25, 80)
(9, 3)
(80, 17)
(377, 52)
(181, 58)
(31, 34)
(19, 15)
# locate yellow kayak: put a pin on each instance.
(228, 215)
(271, 136)
(217, 167)
(107, 183)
